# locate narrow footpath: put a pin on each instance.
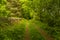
(27, 36)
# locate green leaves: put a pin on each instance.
(3, 11)
(45, 11)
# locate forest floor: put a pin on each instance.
(27, 34)
(29, 31)
(43, 33)
(40, 30)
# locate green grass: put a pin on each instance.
(52, 31)
(34, 34)
(15, 32)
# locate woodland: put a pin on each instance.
(29, 19)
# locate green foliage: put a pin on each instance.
(15, 32)
(45, 13)
(3, 11)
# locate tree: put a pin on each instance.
(14, 7)
(3, 11)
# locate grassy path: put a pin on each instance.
(26, 30)
(27, 36)
(34, 34)
(43, 33)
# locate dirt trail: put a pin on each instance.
(43, 33)
(27, 36)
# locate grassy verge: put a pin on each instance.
(14, 32)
